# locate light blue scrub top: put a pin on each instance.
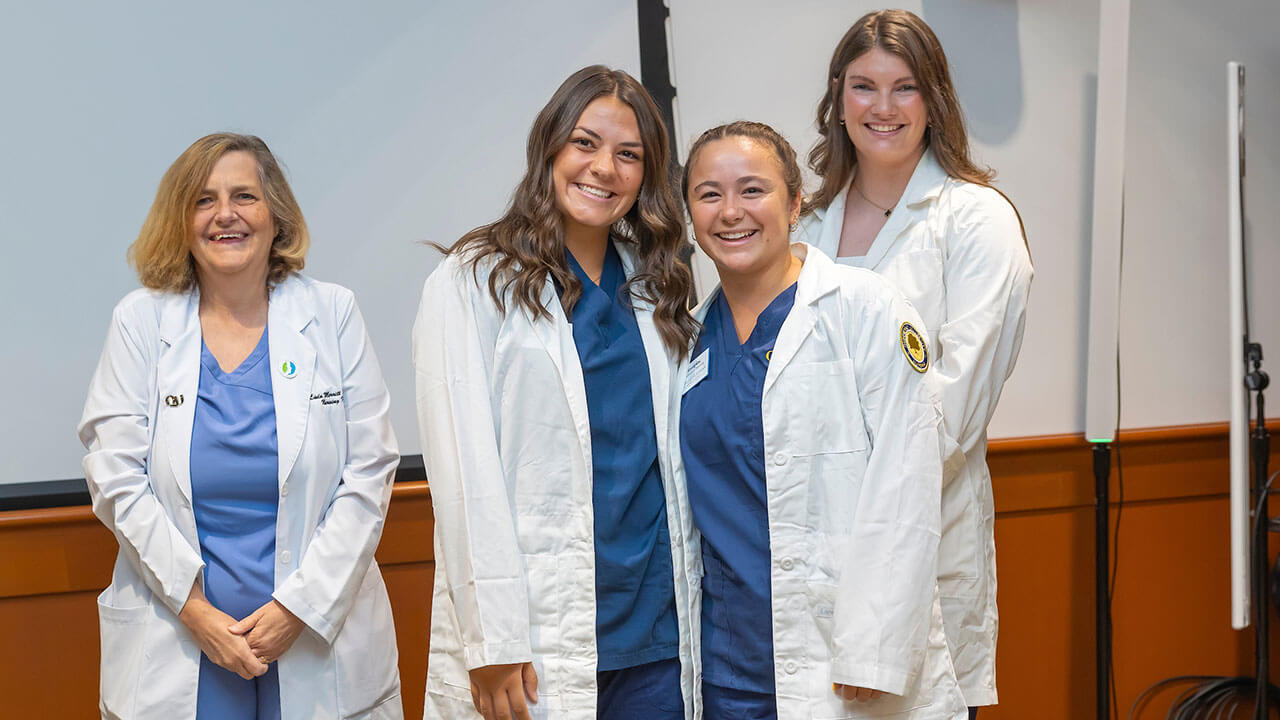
(234, 483)
(635, 589)
(722, 441)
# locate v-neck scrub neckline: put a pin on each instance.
(241, 371)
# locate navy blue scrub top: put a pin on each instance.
(722, 439)
(635, 590)
(234, 480)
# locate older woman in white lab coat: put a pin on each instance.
(901, 196)
(544, 352)
(813, 458)
(247, 502)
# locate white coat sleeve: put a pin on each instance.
(987, 274)
(115, 429)
(454, 341)
(336, 558)
(885, 597)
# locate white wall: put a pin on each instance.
(1026, 75)
(399, 122)
(1173, 323)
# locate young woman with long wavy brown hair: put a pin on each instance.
(545, 353)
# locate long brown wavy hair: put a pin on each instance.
(526, 245)
(901, 33)
(162, 252)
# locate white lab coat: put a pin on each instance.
(502, 409)
(956, 251)
(337, 463)
(853, 471)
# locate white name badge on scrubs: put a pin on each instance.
(698, 370)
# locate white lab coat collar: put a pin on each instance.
(926, 184)
(815, 281)
(289, 312)
(180, 333)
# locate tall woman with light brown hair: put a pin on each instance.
(545, 353)
(901, 195)
(240, 449)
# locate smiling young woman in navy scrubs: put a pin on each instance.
(809, 433)
(545, 354)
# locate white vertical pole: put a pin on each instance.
(1101, 403)
(1239, 481)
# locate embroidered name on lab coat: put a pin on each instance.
(328, 397)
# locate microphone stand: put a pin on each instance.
(1256, 381)
(1102, 575)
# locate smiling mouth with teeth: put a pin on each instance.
(594, 191)
(736, 235)
(885, 128)
(228, 236)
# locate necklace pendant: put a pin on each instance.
(888, 212)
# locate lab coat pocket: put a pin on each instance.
(823, 414)
(367, 668)
(918, 275)
(825, 426)
(960, 552)
(821, 598)
(123, 633)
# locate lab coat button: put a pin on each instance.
(779, 458)
(787, 564)
(791, 667)
(285, 556)
(284, 490)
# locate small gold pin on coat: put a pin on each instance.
(173, 400)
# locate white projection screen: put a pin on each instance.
(398, 122)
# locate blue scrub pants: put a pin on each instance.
(224, 695)
(721, 703)
(643, 692)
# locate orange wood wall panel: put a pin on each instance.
(53, 564)
(49, 661)
(1170, 611)
(406, 557)
(1044, 660)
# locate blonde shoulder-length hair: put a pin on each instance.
(162, 252)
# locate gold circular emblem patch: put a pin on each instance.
(913, 347)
